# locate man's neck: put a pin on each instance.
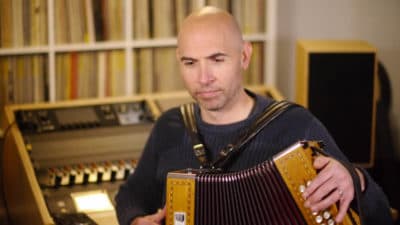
(236, 112)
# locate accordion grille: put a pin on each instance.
(254, 196)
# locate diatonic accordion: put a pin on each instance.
(268, 193)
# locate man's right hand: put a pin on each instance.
(153, 219)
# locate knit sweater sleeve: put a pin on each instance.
(143, 191)
(374, 204)
(140, 195)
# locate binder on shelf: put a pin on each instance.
(141, 20)
(6, 40)
(98, 20)
(144, 72)
(165, 65)
(6, 82)
(76, 21)
(254, 74)
(252, 15)
(117, 73)
(17, 23)
(101, 73)
(89, 18)
(143, 58)
(166, 70)
(62, 28)
(73, 92)
(237, 11)
(42, 22)
(181, 11)
(114, 21)
(39, 74)
(62, 74)
(163, 19)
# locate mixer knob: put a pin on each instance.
(72, 176)
(86, 175)
(114, 172)
(100, 173)
(107, 171)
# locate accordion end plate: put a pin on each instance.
(295, 165)
(180, 198)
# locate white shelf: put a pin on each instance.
(24, 50)
(110, 45)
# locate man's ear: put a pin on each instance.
(246, 54)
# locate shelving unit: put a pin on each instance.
(128, 45)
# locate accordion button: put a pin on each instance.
(308, 183)
(326, 215)
(331, 222)
(319, 219)
(302, 188)
(315, 213)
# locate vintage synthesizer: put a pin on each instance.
(65, 161)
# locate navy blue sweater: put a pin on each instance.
(169, 148)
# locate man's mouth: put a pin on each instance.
(208, 94)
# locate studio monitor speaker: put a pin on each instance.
(337, 82)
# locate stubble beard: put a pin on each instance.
(212, 104)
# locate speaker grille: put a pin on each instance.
(341, 95)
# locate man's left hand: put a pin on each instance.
(332, 184)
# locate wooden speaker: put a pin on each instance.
(337, 82)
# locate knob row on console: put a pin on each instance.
(89, 173)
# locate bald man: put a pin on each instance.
(212, 56)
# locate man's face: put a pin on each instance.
(211, 64)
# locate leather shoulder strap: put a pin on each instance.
(187, 111)
(271, 112)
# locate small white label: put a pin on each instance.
(179, 218)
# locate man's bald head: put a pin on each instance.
(212, 57)
(211, 20)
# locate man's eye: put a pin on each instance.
(188, 63)
(219, 59)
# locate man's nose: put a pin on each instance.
(205, 74)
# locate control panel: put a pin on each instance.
(83, 117)
(84, 151)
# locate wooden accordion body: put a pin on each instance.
(269, 193)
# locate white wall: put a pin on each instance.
(375, 21)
